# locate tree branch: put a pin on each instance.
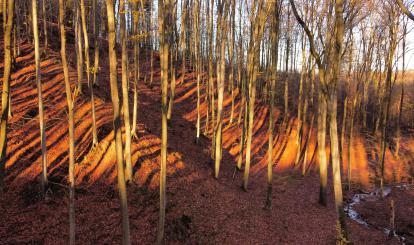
(405, 9)
(309, 34)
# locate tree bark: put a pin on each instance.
(43, 161)
(5, 97)
(117, 122)
(164, 15)
(70, 103)
(125, 98)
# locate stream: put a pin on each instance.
(372, 196)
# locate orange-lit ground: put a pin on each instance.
(200, 209)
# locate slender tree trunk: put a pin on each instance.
(136, 72)
(44, 24)
(198, 63)
(400, 107)
(323, 165)
(117, 122)
(393, 26)
(333, 131)
(88, 72)
(70, 102)
(125, 98)
(43, 162)
(78, 45)
(275, 53)
(253, 59)
(164, 15)
(152, 49)
(5, 97)
(172, 87)
(300, 102)
(221, 30)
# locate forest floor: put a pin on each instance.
(200, 209)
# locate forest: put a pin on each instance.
(207, 122)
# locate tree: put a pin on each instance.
(44, 23)
(117, 122)
(88, 72)
(220, 38)
(5, 97)
(136, 14)
(125, 98)
(258, 17)
(392, 25)
(329, 77)
(197, 54)
(404, 9)
(70, 99)
(43, 162)
(164, 20)
(275, 25)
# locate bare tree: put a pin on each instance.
(43, 162)
(70, 99)
(329, 77)
(8, 5)
(117, 122)
(164, 20)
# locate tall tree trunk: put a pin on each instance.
(323, 165)
(125, 98)
(333, 130)
(164, 16)
(275, 23)
(70, 102)
(44, 24)
(393, 29)
(221, 29)
(5, 97)
(43, 162)
(88, 72)
(78, 44)
(198, 63)
(253, 59)
(136, 70)
(117, 122)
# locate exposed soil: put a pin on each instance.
(200, 209)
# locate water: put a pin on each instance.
(374, 196)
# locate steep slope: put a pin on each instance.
(200, 209)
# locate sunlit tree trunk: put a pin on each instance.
(164, 16)
(44, 24)
(78, 44)
(5, 97)
(275, 24)
(43, 162)
(70, 98)
(328, 86)
(117, 122)
(210, 78)
(221, 42)
(172, 52)
(125, 98)
(152, 47)
(136, 70)
(323, 165)
(333, 131)
(231, 56)
(88, 72)
(300, 103)
(198, 63)
(252, 70)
